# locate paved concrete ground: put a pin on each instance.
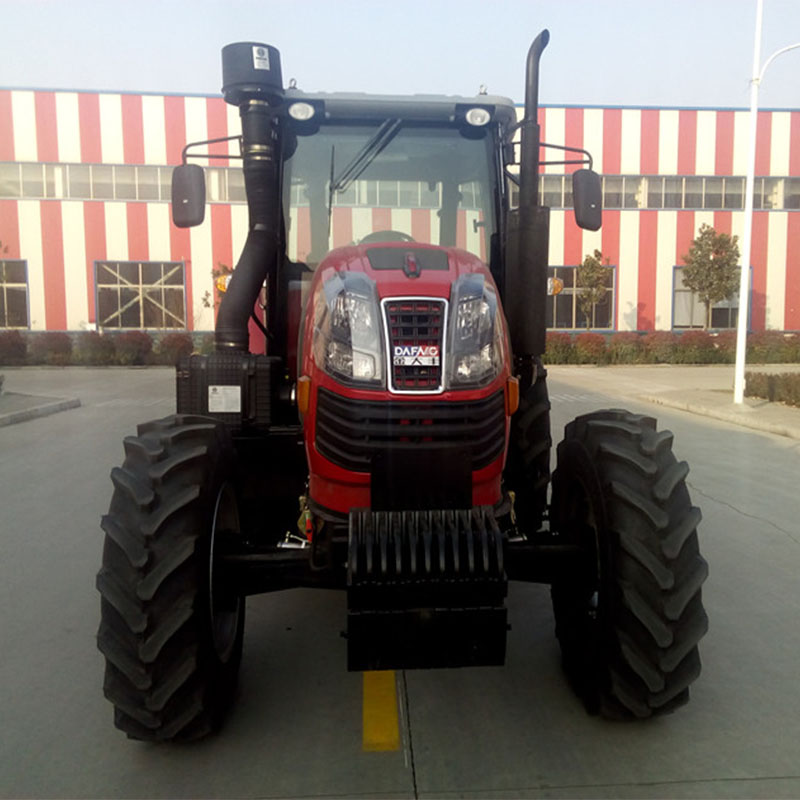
(296, 729)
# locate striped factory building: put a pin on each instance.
(86, 231)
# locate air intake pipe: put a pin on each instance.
(251, 75)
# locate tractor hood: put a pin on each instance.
(404, 268)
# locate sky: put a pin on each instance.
(685, 53)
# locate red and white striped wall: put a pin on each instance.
(647, 244)
(61, 239)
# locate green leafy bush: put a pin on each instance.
(13, 348)
(207, 344)
(626, 348)
(768, 347)
(95, 348)
(793, 347)
(590, 348)
(694, 347)
(133, 347)
(659, 347)
(783, 388)
(174, 346)
(52, 347)
(559, 348)
(725, 344)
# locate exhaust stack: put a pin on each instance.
(528, 234)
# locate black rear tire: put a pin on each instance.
(629, 625)
(171, 632)
(527, 471)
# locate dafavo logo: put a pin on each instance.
(423, 355)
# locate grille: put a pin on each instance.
(413, 324)
(349, 432)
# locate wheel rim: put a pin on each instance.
(224, 605)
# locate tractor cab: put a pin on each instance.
(422, 169)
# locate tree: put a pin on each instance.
(592, 285)
(712, 268)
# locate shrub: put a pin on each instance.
(626, 348)
(789, 389)
(757, 385)
(694, 347)
(590, 348)
(94, 348)
(659, 347)
(133, 347)
(207, 344)
(793, 347)
(768, 347)
(173, 347)
(559, 348)
(725, 344)
(53, 347)
(783, 388)
(13, 348)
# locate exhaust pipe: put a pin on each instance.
(528, 236)
(251, 74)
(529, 149)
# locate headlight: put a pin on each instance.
(477, 346)
(347, 330)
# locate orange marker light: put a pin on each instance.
(512, 396)
(303, 394)
(222, 283)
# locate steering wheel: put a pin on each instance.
(386, 236)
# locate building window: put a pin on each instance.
(689, 312)
(13, 294)
(96, 182)
(563, 310)
(552, 190)
(140, 294)
(792, 193)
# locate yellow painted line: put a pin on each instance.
(381, 730)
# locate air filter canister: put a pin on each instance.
(251, 70)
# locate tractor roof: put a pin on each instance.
(420, 107)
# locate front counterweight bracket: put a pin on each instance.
(425, 589)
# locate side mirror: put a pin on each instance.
(587, 197)
(188, 195)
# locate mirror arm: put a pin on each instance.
(569, 150)
(185, 152)
(556, 163)
(588, 160)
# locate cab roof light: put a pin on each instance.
(478, 117)
(302, 112)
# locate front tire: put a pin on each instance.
(170, 630)
(527, 471)
(629, 625)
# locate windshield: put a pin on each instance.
(389, 181)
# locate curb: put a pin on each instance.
(736, 417)
(35, 412)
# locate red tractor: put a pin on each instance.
(398, 391)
